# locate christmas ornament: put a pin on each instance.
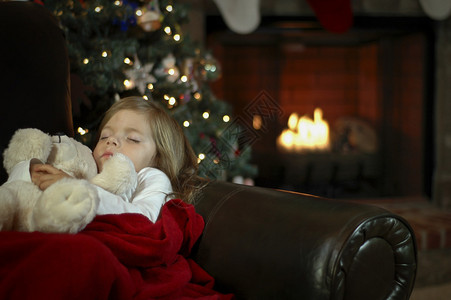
(188, 67)
(151, 17)
(209, 68)
(241, 180)
(168, 69)
(128, 18)
(436, 9)
(248, 181)
(139, 76)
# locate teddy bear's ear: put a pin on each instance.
(26, 144)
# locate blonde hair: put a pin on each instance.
(174, 155)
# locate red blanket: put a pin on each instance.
(116, 257)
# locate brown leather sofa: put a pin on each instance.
(258, 243)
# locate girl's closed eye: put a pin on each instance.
(105, 134)
(134, 140)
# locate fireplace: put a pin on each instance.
(372, 88)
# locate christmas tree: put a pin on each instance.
(122, 48)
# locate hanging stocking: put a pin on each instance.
(334, 15)
(241, 16)
(436, 9)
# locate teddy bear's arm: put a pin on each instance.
(118, 176)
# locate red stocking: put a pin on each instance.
(334, 15)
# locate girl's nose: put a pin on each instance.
(112, 141)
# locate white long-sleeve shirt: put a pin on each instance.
(148, 198)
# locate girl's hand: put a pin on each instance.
(46, 175)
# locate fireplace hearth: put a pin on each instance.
(376, 74)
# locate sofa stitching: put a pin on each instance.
(219, 204)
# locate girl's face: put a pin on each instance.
(127, 132)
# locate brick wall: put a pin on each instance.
(342, 81)
(325, 77)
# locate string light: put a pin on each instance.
(128, 61)
(86, 61)
(206, 115)
(171, 71)
(186, 124)
(201, 156)
(210, 67)
(118, 3)
(169, 8)
(150, 86)
(104, 54)
(257, 122)
(177, 37)
(145, 98)
(168, 30)
(127, 83)
(197, 96)
(184, 78)
(226, 118)
(139, 13)
(98, 9)
(166, 97)
(82, 131)
(172, 101)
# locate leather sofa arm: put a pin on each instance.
(266, 244)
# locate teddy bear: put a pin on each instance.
(68, 205)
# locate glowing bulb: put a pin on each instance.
(177, 37)
(166, 97)
(150, 86)
(139, 13)
(145, 98)
(226, 118)
(168, 30)
(127, 61)
(210, 67)
(127, 83)
(205, 115)
(186, 123)
(197, 96)
(257, 122)
(98, 9)
(171, 71)
(201, 156)
(117, 3)
(104, 54)
(169, 8)
(82, 131)
(184, 78)
(86, 61)
(172, 101)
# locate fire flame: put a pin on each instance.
(305, 134)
